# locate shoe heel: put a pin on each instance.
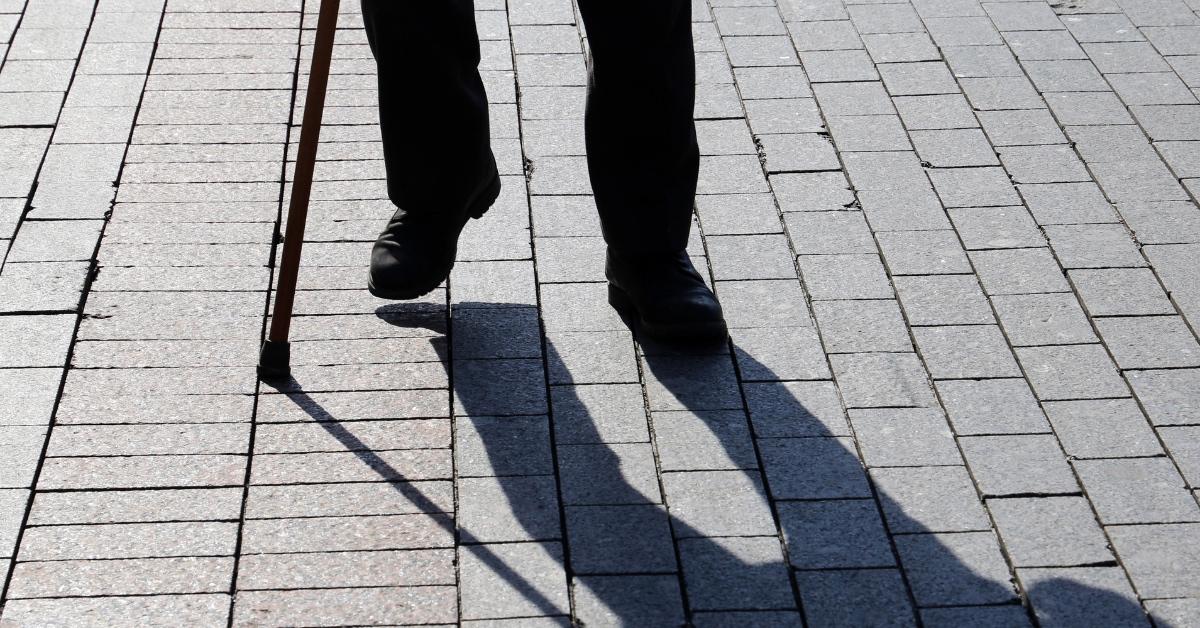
(620, 301)
(486, 199)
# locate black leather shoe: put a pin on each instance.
(415, 252)
(665, 297)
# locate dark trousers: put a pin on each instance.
(641, 141)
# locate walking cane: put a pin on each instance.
(273, 361)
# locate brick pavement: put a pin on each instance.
(956, 241)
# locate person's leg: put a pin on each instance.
(641, 140)
(644, 161)
(432, 107)
(434, 117)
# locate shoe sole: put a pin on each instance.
(691, 334)
(476, 211)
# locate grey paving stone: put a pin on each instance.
(904, 437)
(1018, 271)
(620, 539)
(1137, 490)
(756, 83)
(854, 98)
(608, 474)
(996, 228)
(342, 499)
(829, 233)
(195, 610)
(798, 152)
(346, 569)
(313, 534)
(971, 61)
(974, 187)
(991, 406)
(681, 382)
(496, 510)
(408, 464)
(783, 409)
(128, 440)
(835, 534)
(760, 51)
(1071, 372)
(29, 395)
(142, 472)
(1120, 292)
(487, 446)
(982, 616)
(130, 540)
(750, 257)
(1169, 396)
(599, 414)
(1050, 531)
(1083, 108)
(1182, 444)
(1152, 88)
(718, 503)
(1002, 92)
(646, 600)
(868, 133)
(844, 277)
(1043, 319)
(1021, 127)
(1067, 203)
(1094, 246)
(737, 213)
(915, 79)
(963, 30)
(1168, 222)
(882, 380)
(1161, 559)
(735, 573)
(689, 441)
(813, 468)
(952, 569)
(1145, 342)
(943, 300)
(923, 252)
(591, 357)
(900, 47)
(954, 148)
(774, 354)
(499, 387)
(333, 606)
(892, 172)
(1102, 429)
(816, 191)
(933, 112)
(855, 597)
(929, 499)
(758, 304)
(833, 66)
(966, 351)
(1082, 595)
(121, 577)
(862, 326)
(1018, 464)
(1043, 164)
(1173, 612)
(782, 115)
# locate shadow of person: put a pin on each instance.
(535, 469)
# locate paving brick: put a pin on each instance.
(770, 355)
(719, 503)
(933, 112)
(1010, 615)
(966, 351)
(1049, 531)
(782, 409)
(904, 437)
(735, 573)
(1137, 490)
(1018, 271)
(1150, 342)
(1102, 429)
(346, 569)
(35, 341)
(835, 534)
(1161, 559)
(492, 510)
(943, 300)
(121, 577)
(991, 406)
(492, 591)
(951, 569)
(354, 466)
(973, 187)
(862, 326)
(829, 232)
(647, 600)
(128, 540)
(607, 474)
(929, 499)
(29, 395)
(619, 539)
(855, 597)
(1014, 465)
(923, 252)
(1083, 594)
(813, 468)
(1067, 203)
(337, 606)
(703, 440)
(875, 380)
(844, 277)
(1120, 291)
(498, 446)
(194, 610)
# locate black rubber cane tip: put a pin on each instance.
(274, 361)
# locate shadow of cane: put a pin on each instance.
(711, 555)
